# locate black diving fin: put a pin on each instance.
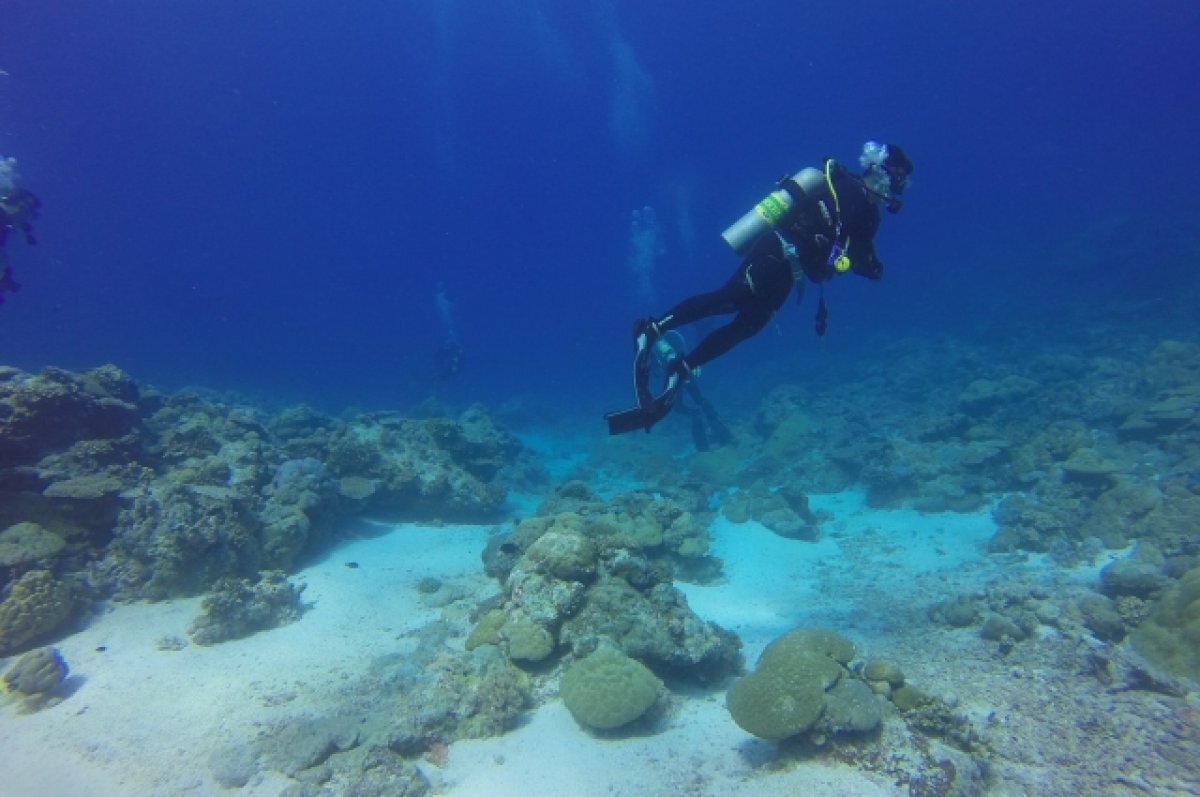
(650, 409)
(633, 419)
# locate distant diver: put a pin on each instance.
(708, 428)
(818, 223)
(18, 208)
(448, 361)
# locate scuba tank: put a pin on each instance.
(763, 216)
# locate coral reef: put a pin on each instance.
(583, 572)
(238, 607)
(47, 412)
(1071, 447)
(119, 490)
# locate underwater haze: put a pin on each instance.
(306, 488)
(269, 197)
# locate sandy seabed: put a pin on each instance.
(143, 718)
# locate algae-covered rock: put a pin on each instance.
(92, 487)
(526, 640)
(486, 630)
(984, 395)
(1133, 576)
(178, 539)
(1089, 466)
(658, 628)
(563, 555)
(355, 488)
(37, 605)
(999, 628)
(852, 706)
(1101, 617)
(958, 612)
(883, 670)
(908, 698)
(1170, 636)
(440, 694)
(608, 689)
(238, 607)
(28, 543)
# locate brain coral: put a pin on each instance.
(784, 698)
(608, 689)
(787, 693)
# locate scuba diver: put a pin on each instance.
(18, 209)
(817, 224)
(448, 361)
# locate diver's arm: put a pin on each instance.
(863, 260)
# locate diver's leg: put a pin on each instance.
(763, 287)
(757, 279)
(719, 302)
(719, 341)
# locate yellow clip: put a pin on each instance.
(842, 263)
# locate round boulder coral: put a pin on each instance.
(608, 689)
(809, 640)
(787, 694)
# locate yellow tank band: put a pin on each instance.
(772, 209)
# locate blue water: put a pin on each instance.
(264, 197)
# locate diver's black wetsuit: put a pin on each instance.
(17, 209)
(764, 279)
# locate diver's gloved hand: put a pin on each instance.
(870, 267)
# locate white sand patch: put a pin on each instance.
(871, 570)
(699, 752)
(143, 721)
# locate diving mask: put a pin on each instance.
(887, 172)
